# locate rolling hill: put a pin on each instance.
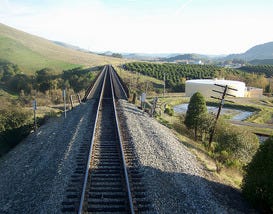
(258, 52)
(32, 52)
(190, 57)
(261, 62)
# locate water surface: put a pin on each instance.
(238, 115)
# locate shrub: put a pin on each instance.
(14, 126)
(169, 110)
(13, 117)
(257, 184)
(240, 144)
(11, 137)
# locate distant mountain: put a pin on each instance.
(107, 53)
(258, 52)
(261, 62)
(148, 56)
(186, 57)
(63, 44)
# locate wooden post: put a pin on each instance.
(143, 100)
(154, 106)
(34, 114)
(64, 97)
(71, 101)
(79, 98)
(146, 87)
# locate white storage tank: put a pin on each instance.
(205, 87)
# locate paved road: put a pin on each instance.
(242, 123)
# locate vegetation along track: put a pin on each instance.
(106, 178)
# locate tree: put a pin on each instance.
(206, 123)
(117, 55)
(257, 184)
(43, 79)
(20, 82)
(196, 109)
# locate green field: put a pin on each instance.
(29, 60)
(33, 53)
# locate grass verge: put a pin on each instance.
(230, 176)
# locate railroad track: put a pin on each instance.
(106, 178)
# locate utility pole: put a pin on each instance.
(221, 104)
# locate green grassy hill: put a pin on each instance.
(32, 52)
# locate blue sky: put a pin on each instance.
(151, 26)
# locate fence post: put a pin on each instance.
(64, 97)
(71, 101)
(79, 98)
(34, 104)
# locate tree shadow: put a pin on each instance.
(173, 192)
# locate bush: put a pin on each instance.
(13, 117)
(240, 144)
(257, 184)
(169, 110)
(14, 126)
(11, 137)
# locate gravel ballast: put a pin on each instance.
(35, 173)
(175, 180)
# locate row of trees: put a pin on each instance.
(177, 74)
(45, 85)
(236, 146)
(46, 79)
(260, 69)
(173, 72)
(232, 145)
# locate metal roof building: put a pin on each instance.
(206, 86)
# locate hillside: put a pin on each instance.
(260, 52)
(186, 57)
(32, 52)
(63, 44)
(261, 62)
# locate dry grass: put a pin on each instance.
(228, 176)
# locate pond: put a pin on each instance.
(237, 115)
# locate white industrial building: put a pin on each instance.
(206, 87)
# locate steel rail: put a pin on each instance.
(121, 148)
(80, 210)
(96, 83)
(117, 78)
